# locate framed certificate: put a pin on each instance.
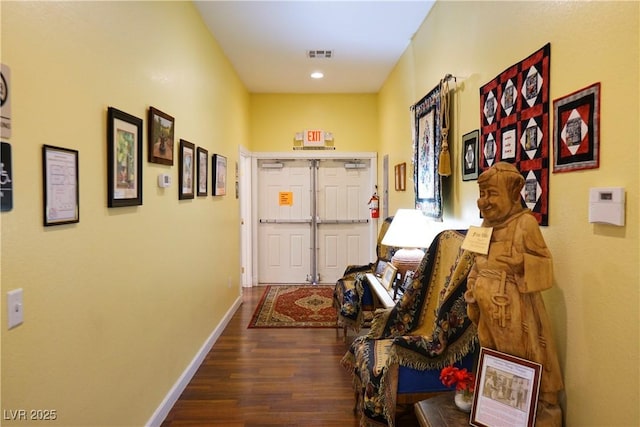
(507, 389)
(60, 183)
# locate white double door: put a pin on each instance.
(313, 219)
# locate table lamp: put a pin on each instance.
(409, 231)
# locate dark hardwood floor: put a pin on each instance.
(271, 377)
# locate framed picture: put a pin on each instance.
(470, 155)
(401, 176)
(403, 285)
(160, 137)
(389, 276)
(124, 159)
(507, 389)
(61, 185)
(203, 171)
(219, 175)
(427, 143)
(380, 266)
(576, 130)
(186, 173)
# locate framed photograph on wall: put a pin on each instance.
(219, 172)
(160, 137)
(401, 176)
(124, 159)
(186, 173)
(203, 171)
(470, 155)
(61, 185)
(507, 389)
(576, 130)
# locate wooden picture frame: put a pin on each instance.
(203, 171)
(401, 176)
(160, 137)
(470, 143)
(124, 159)
(186, 172)
(576, 130)
(61, 191)
(219, 175)
(389, 276)
(499, 374)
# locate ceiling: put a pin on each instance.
(267, 41)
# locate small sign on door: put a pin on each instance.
(285, 198)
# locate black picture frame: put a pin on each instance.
(160, 137)
(61, 186)
(203, 172)
(469, 160)
(186, 173)
(124, 159)
(219, 175)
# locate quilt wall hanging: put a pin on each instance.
(576, 130)
(514, 117)
(427, 144)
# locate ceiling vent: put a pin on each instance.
(320, 54)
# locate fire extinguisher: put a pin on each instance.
(374, 205)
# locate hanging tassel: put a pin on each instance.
(444, 160)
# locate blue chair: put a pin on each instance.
(400, 359)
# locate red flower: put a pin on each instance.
(461, 378)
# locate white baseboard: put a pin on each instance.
(174, 393)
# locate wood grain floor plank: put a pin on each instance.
(270, 377)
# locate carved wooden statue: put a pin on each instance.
(503, 296)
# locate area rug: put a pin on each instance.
(298, 306)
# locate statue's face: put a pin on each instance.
(495, 201)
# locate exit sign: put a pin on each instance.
(313, 138)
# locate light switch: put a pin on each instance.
(15, 310)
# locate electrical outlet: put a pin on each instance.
(15, 310)
(229, 282)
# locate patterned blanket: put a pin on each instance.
(427, 329)
(349, 289)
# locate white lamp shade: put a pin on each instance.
(409, 229)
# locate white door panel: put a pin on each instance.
(343, 230)
(284, 253)
(341, 245)
(283, 229)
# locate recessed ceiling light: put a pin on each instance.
(317, 75)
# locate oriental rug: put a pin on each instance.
(297, 306)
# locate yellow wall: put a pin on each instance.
(352, 118)
(595, 302)
(117, 305)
